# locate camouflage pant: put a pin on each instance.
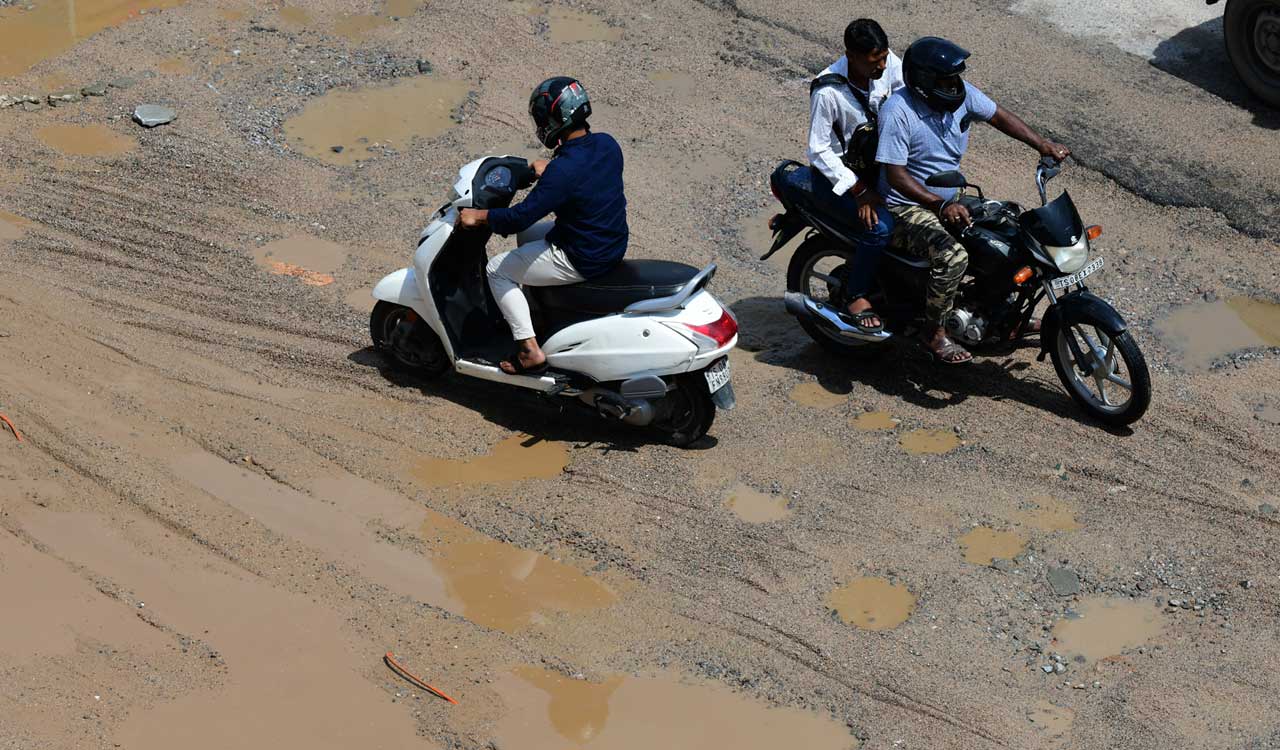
(918, 233)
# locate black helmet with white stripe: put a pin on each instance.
(558, 106)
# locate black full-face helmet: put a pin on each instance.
(558, 105)
(931, 68)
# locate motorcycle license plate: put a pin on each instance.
(717, 375)
(1077, 277)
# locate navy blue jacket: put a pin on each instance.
(582, 185)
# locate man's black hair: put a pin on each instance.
(864, 36)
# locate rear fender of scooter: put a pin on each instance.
(618, 347)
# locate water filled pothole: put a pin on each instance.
(515, 459)
(52, 27)
(12, 226)
(754, 506)
(926, 442)
(984, 545)
(1108, 627)
(344, 127)
(758, 237)
(310, 259)
(575, 26)
(357, 26)
(1205, 332)
(549, 711)
(85, 140)
(872, 603)
(1054, 721)
(873, 421)
(1048, 514)
(813, 395)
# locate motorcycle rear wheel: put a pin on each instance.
(415, 348)
(817, 270)
(1118, 368)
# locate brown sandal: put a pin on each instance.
(948, 352)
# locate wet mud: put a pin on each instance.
(872, 603)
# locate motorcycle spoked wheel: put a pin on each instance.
(1118, 391)
(817, 269)
(687, 411)
(423, 354)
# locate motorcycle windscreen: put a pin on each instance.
(1056, 224)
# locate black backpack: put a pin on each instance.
(860, 152)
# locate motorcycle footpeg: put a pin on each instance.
(825, 315)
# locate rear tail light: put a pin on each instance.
(714, 335)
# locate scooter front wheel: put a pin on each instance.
(397, 330)
(687, 411)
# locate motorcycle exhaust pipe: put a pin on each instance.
(800, 305)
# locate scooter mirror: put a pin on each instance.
(949, 179)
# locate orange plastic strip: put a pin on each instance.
(396, 667)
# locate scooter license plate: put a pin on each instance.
(1077, 277)
(717, 374)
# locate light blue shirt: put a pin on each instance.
(914, 135)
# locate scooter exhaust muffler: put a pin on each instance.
(800, 305)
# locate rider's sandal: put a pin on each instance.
(943, 354)
(518, 367)
(857, 321)
(1031, 328)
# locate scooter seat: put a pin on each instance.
(629, 282)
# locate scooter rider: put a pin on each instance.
(924, 129)
(582, 185)
(843, 103)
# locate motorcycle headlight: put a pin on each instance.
(1070, 259)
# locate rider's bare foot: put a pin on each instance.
(529, 358)
(943, 349)
(868, 320)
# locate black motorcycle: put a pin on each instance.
(1017, 258)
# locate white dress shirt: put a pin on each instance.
(837, 105)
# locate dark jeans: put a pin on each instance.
(870, 243)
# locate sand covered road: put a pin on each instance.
(226, 510)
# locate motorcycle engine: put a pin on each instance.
(965, 326)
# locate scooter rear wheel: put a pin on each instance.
(412, 345)
(687, 412)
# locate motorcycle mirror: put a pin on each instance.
(949, 179)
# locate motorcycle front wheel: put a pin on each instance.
(1110, 380)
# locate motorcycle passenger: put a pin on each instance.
(844, 99)
(924, 129)
(582, 186)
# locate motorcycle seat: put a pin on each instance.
(629, 282)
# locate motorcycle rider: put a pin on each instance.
(924, 129)
(582, 185)
(847, 95)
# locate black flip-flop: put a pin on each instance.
(519, 369)
(856, 320)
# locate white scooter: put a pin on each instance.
(645, 344)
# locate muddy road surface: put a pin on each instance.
(226, 507)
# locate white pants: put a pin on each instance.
(535, 262)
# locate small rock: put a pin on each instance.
(1059, 667)
(336, 149)
(31, 107)
(1175, 602)
(1267, 509)
(1078, 686)
(1002, 565)
(1247, 584)
(98, 88)
(1048, 669)
(64, 96)
(7, 101)
(1097, 683)
(151, 115)
(425, 67)
(1063, 581)
(123, 82)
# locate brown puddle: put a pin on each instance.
(1054, 721)
(754, 506)
(872, 603)
(291, 679)
(515, 459)
(392, 115)
(576, 26)
(814, 395)
(872, 421)
(85, 140)
(758, 237)
(491, 583)
(1207, 331)
(310, 259)
(922, 442)
(1048, 515)
(401, 8)
(355, 27)
(549, 711)
(1108, 627)
(295, 16)
(175, 66)
(504, 587)
(52, 27)
(12, 226)
(232, 14)
(984, 545)
(675, 83)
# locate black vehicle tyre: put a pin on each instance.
(1252, 32)
(687, 412)
(817, 254)
(415, 348)
(1122, 364)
